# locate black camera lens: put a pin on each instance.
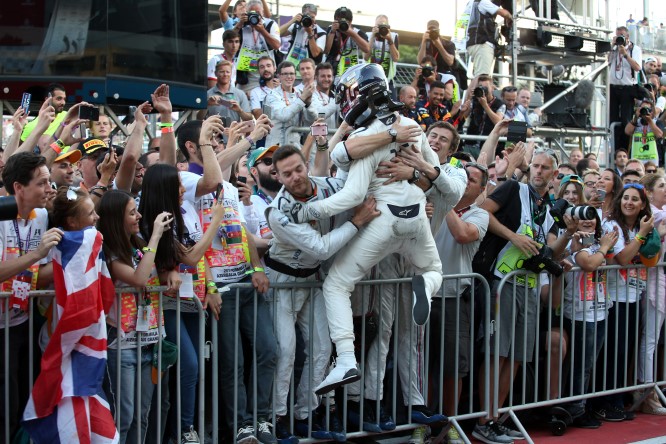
(426, 71)
(434, 34)
(383, 30)
(306, 21)
(253, 18)
(344, 25)
(8, 208)
(620, 41)
(480, 91)
(644, 112)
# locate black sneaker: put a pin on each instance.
(586, 421)
(422, 415)
(282, 431)
(605, 413)
(421, 301)
(265, 432)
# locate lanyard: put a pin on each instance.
(325, 102)
(286, 100)
(381, 58)
(463, 211)
(22, 250)
(264, 196)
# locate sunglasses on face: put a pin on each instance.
(650, 171)
(266, 161)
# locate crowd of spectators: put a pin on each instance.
(377, 189)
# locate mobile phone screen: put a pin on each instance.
(25, 102)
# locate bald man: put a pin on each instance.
(408, 96)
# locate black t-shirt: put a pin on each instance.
(339, 41)
(480, 124)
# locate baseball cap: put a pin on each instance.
(91, 145)
(650, 59)
(258, 154)
(71, 155)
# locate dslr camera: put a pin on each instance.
(8, 208)
(620, 41)
(253, 18)
(562, 207)
(645, 111)
(542, 262)
(383, 30)
(343, 25)
(306, 21)
(480, 91)
(426, 71)
(433, 34)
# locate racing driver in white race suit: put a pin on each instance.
(401, 228)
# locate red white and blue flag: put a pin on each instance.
(66, 405)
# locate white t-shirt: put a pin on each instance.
(585, 296)
(629, 283)
(18, 237)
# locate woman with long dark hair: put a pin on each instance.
(181, 261)
(631, 217)
(132, 264)
(611, 183)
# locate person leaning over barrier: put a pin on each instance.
(518, 230)
(296, 255)
(25, 242)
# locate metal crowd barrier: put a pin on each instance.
(382, 309)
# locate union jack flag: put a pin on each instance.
(66, 405)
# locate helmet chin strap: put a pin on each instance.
(379, 106)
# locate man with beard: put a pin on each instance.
(433, 109)
(408, 97)
(323, 99)
(267, 83)
(62, 173)
(58, 98)
(260, 166)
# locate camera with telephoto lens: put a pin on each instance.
(8, 208)
(306, 21)
(426, 71)
(433, 34)
(620, 41)
(561, 207)
(343, 25)
(542, 262)
(645, 111)
(253, 18)
(480, 91)
(383, 30)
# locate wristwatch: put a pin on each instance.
(415, 177)
(394, 134)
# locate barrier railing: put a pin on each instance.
(240, 358)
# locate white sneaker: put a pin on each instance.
(338, 376)
(421, 302)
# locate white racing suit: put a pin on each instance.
(296, 255)
(409, 358)
(401, 228)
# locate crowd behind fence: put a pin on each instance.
(544, 381)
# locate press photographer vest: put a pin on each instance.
(380, 53)
(349, 55)
(253, 47)
(510, 256)
(644, 146)
(481, 27)
(300, 49)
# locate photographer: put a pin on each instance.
(384, 48)
(307, 37)
(517, 230)
(481, 39)
(345, 44)
(644, 133)
(442, 51)
(259, 37)
(625, 59)
(483, 110)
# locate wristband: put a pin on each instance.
(95, 193)
(55, 147)
(60, 143)
(212, 290)
(101, 187)
(211, 284)
(149, 250)
(166, 125)
(641, 239)
(255, 270)
(167, 130)
(323, 147)
(206, 144)
(250, 140)
(501, 179)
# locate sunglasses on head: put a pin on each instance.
(509, 89)
(637, 186)
(71, 195)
